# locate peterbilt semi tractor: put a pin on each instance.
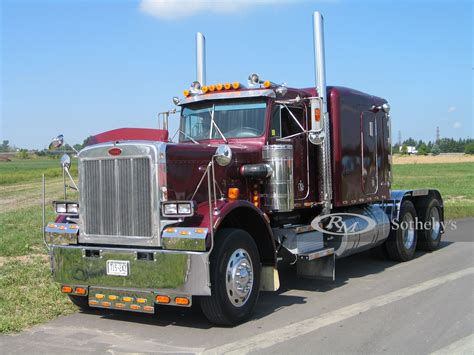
(257, 176)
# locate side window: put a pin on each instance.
(288, 124)
(275, 126)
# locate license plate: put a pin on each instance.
(118, 267)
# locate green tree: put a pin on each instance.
(469, 148)
(23, 154)
(422, 149)
(435, 150)
(5, 147)
(404, 149)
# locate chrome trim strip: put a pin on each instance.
(237, 94)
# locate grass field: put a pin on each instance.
(27, 294)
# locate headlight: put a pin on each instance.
(60, 207)
(184, 208)
(72, 208)
(66, 207)
(178, 209)
(170, 208)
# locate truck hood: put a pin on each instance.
(186, 164)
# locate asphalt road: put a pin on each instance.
(374, 306)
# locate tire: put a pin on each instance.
(401, 243)
(429, 239)
(229, 305)
(80, 301)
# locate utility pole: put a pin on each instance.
(400, 138)
(437, 134)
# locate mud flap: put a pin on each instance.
(322, 268)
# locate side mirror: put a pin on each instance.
(65, 161)
(223, 155)
(56, 142)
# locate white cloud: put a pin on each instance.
(457, 125)
(451, 108)
(174, 9)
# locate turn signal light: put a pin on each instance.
(66, 289)
(233, 193)
(317, 115)
(227, 86)
(182, 301)
(162, 299)
(81, 291)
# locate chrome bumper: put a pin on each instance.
(176, 272)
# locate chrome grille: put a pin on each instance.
(116, 197)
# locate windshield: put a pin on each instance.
(237, 119)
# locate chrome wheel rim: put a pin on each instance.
(409, 231)
(239, 277)
(435, 224)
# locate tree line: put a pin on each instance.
(443, 145)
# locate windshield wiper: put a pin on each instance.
(213, 123)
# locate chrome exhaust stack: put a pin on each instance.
(320, 133)
(201, 58)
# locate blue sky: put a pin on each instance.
(82, 67)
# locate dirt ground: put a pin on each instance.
(431, 159)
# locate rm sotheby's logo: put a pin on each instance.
(343, 223)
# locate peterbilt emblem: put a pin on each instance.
(115, 151)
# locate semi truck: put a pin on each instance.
(257, 176)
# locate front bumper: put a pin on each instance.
(176, 272)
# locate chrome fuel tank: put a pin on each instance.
(279, 194)
(358, 235)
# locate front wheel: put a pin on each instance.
(235, 278)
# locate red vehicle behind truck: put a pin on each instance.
(261, 175)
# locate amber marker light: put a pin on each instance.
(99, 296)
(135, 307)
(212, 87)
(317, 115)
(186, 92)
(120, 305)
(148, 308)
(80, 291)
(227, 86)
(93, 302)
(233, 193)
(266, 84)
(141, 300)
(127, 299)
(219, 87)
(66, 289)
(105, 304)
(162, 299)
(236, 85)
(205, 89)
(113, 298)
(182, 301)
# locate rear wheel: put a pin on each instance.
(401, 243)
(81, 301)
(235, 278)
(429, 236)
